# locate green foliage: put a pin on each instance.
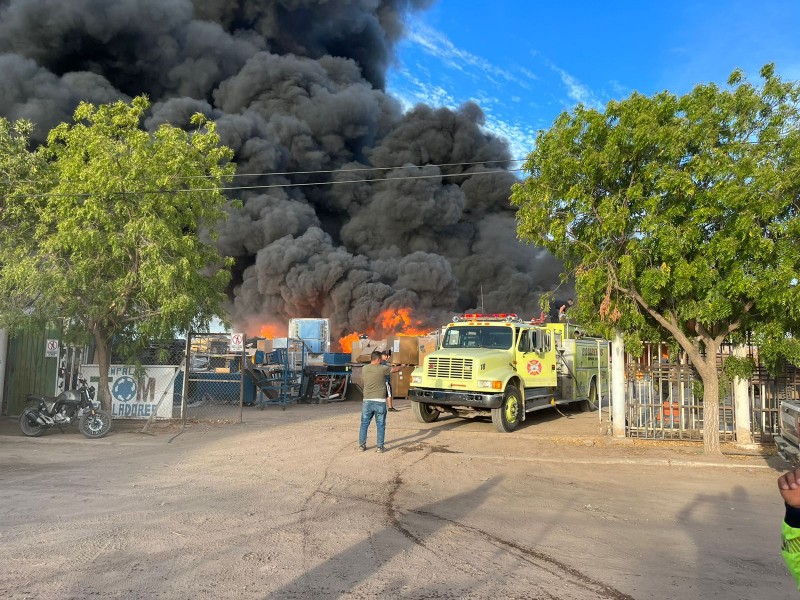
(724, 388)
(679, 215)
(22, 172)
(686, 207)
(775, 347)
(117, 239)
(697, 390)
(742, 368)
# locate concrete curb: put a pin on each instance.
(650, 462)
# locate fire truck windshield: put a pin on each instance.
(499, 338)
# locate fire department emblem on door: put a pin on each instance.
(534, 367)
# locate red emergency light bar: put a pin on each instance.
(481, 317)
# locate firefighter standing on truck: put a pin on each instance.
(562, 310)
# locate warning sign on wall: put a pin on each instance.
(237, 342)
(51, 350)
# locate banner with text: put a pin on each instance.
(137, 396)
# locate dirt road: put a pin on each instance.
(284, 506)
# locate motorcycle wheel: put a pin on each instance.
(95, 425)
(28, 424)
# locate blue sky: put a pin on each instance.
(524, 62)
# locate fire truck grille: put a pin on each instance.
(450, 368)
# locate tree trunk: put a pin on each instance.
(103, 355)
(710, 377)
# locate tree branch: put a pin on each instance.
(734, 325)
(140, 317)
(672, 327)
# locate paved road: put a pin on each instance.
(284, 506)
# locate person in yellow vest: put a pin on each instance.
(789, 487)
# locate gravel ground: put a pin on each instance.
(284, 506)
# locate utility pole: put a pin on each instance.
(618, 385)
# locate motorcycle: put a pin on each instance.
(66, 408)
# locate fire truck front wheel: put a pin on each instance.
(424, 413)
(506, 418)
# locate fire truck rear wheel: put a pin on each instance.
(591, 403)
(424, 413)
(506, 418)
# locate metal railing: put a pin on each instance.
(663, 400)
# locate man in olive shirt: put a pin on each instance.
(374, 377)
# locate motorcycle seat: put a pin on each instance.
(41, 398)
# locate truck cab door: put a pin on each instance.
(536, 358)
(530, 354)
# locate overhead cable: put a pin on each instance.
(272, 185)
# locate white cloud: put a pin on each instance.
(529, 74)
(495, 89)
(576, 90)
(438, 45)
(521, 139)
(412, 91)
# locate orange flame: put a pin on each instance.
(269, 332)
(401, 322)
(346, 343)
(390, 322)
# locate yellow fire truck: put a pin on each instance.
(499, 364)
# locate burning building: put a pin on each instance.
(351, 207)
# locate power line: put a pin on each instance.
(359, 169)
(273, 185)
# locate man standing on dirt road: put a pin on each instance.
(789, 486)
(374, 377)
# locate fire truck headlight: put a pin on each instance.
(490, 384)
(416, 379)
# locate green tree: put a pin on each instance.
(679, 215)
(120, 245)
(22, 172)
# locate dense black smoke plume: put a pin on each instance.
(298, 85)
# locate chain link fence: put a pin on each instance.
(215, 382)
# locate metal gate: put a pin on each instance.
(663, 400)
(661, 403)
(766, 393)
(214, 387)
(28, 369)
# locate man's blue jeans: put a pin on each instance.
(370, 408)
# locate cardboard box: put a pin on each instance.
(363, 349)
(405, 350)
(425, 345)
(400, 382)
(264, 345)
(355, 350)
